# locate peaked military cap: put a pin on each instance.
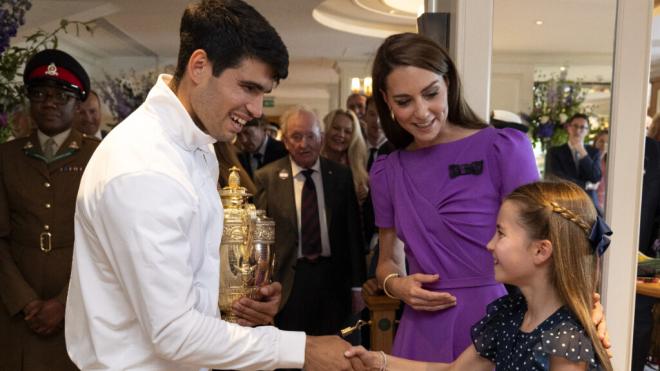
(52, 65)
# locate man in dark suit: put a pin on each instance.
(320, 260)
(39, 179)
(259, 149)
(648, 231)
(574, 160)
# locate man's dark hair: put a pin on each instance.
(370, 101)
(578, 116)
(259, 122)
(229, 31)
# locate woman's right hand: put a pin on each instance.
(410, 290)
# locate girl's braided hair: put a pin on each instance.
(562, 213)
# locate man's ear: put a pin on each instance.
(199, 66)
(542, 250)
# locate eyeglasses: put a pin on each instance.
(580, 127)
(59, 97)
(298, 137)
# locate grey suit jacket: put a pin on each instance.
(275, 194)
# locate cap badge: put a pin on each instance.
(52, 70)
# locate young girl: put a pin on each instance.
(548, 243)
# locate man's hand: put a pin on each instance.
(31, 310)
(327, 353)
(371, 287)
(357, 302)
(252, 313)
(44, 317)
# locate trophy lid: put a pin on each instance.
(233, 195)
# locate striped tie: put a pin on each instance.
(310, 228)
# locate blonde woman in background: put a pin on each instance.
(344, 144)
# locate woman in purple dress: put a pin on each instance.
(438, 195)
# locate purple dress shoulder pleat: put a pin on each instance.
(443, 202)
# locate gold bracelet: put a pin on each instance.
(385, 284)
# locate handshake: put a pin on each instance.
(333, 353)
(321, 352)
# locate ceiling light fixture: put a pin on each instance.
(405, 6)
(539, 22)
(362, 86)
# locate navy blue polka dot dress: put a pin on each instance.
(498, 337)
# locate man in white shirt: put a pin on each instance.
(144, 284)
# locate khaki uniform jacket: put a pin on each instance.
(37, 203)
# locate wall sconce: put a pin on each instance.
(363, 86)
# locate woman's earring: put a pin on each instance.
(392, 116)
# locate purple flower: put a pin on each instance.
(545, 130)
(12, 16)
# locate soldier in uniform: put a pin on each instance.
(39, 178)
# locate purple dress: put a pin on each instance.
(443, 202)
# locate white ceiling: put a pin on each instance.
(129, 31)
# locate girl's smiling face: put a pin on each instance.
(512, 248)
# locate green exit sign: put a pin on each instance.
(269, 101)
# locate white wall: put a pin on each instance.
(513, 77)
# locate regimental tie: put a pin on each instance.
(49, 149)
(310, 229)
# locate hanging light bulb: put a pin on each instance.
(368, 89)
(355, 85)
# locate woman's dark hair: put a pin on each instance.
(409, 49)
(229, 31)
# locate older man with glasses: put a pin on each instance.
(39, 178)
(576, 161)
